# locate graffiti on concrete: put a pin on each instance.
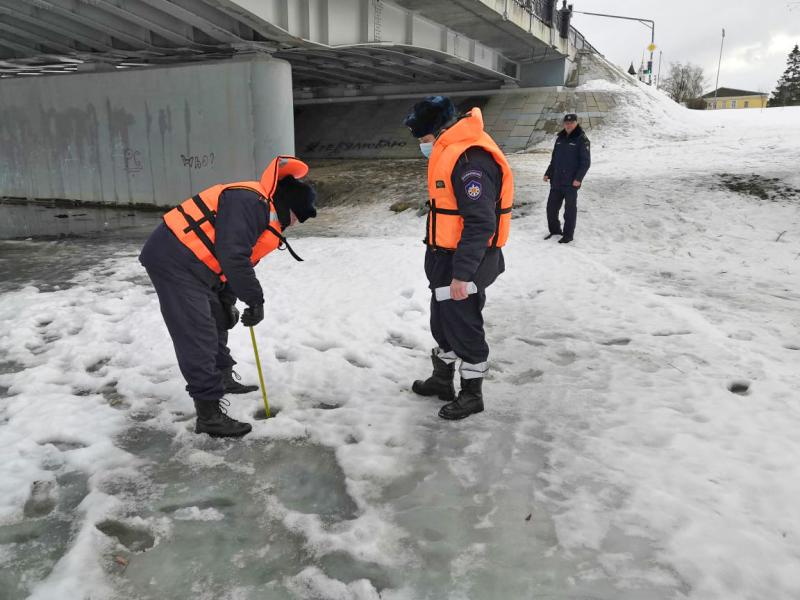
(195, 161)
(342, 146)
(133, 160)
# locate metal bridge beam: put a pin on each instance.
(91, 38)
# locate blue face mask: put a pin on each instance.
(426, 148)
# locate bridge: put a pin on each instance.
(335, 47)
(142, 101)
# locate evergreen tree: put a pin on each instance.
(788, 91)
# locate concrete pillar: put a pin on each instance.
(145, 136)
(545, 73)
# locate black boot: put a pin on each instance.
(211, 419)
(440, 383)
(229, 377)
(469, 401)
(565, 240)
(549, 235)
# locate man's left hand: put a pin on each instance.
(253, 315)
(458, 290)
(576, 183)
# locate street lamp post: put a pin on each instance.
(719, 64)
(658, 77)
(646, 22)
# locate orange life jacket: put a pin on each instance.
(445, 223)
(192, 221)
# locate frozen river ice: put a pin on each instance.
(640, 438)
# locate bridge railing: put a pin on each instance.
(576, 39)
(545, 11)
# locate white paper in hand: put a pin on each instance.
(443, 293)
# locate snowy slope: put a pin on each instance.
(613, 461)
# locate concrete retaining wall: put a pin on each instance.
(374, 129)
(145, 136)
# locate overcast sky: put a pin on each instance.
(759, 34)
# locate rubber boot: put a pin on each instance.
(469, 401)
(229, 377)
(212, 419)
(440, 383)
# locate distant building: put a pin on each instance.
(730, 98)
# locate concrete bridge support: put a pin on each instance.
(145, 136)
(545, 73)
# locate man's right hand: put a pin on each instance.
(231, 314)
(546, 179)
(253, 315)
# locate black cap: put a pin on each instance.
(297, 196)
(570, 117)
(430, 115)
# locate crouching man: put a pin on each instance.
(201, 259)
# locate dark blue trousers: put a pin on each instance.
(569, 196)
(192, 312)
(458, 325)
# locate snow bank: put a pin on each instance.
(640, 438)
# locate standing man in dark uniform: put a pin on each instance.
(470, 191)
(568, 166)
(201, 259)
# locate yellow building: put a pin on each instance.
(730, 98)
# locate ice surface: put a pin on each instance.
(640, 438)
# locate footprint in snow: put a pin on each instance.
(321, 345)
(284, 355)
(564, 359)
(623, 341)
(326, 406)
(742, 334)
(396, 339)
(357, 361)
(64, 445)
(97, 365)
(667, 333)
(530, 342)
(741, 387)
(528, 376)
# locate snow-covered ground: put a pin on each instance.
(641, 433)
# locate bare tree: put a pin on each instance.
(684, 81)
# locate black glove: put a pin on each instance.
(228, 314)
(253, 315)
(231, 315)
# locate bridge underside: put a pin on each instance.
(337, 48)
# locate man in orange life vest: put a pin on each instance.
(201, 259)
(470, 191)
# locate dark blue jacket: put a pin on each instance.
(571, 158)
(473, 260)
(241, 218)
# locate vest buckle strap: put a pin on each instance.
(284, 242)
(194, 227)
(209, 215)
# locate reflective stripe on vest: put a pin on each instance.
(445, 223)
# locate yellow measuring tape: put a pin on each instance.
(260, 373)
